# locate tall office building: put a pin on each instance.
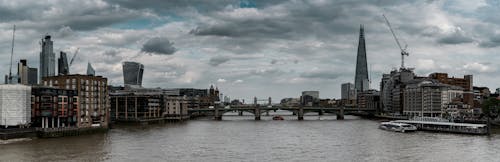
(32, 76)
(22, 71)
(27, 75)
(348, 92)
(62, 64)
(309, 98)
(132, 73)
(47, 58)
(361, 77)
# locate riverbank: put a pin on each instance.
(14, 133)
(17, 133)
(146, 121)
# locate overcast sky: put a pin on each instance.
(258, 48)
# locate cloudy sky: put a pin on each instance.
(258, 47)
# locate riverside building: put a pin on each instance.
(92, 97)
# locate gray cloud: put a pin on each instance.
(240, 42)
(270, 72)
(255, 28)
(111, 53)
(457, 37)
(46, 16)
(159, 45)
(174, 6)
(64, 32)
(321, 74)
(493, 41)
(217, 60)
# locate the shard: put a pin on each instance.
(361, 77)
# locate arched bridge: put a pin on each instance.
(257, 110)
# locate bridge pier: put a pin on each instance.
(217, 114)
(257, 113)
(300, 113)
(240, 113)
(321, 112)
(340, 115)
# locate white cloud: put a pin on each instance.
(478, 67)
(221, 80)
(238, 81)
(426, 64)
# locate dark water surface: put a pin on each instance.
(239, 138)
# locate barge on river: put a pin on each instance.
(439, 126)
(397, 127)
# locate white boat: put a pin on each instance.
(438, 126)
(397, 127)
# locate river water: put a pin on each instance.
(240, 138)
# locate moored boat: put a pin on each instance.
(277, 117)
(466, 128)
(397, 127)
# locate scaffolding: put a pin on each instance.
(15, 105)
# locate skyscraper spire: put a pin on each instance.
(90, 70)
(361, 76)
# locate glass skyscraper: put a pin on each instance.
(47, 58)
(63, 68)
(132, 73)
(361, 82)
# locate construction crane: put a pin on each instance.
(12, 54)
(73, 58)
(403, 50)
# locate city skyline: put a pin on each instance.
(198, 44)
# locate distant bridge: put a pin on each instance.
(257, 110)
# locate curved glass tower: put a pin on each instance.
(132, 73)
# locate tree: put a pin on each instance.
(491, 107)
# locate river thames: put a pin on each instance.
(240, 138)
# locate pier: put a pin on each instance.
(464, 128)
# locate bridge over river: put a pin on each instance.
(258, 110)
